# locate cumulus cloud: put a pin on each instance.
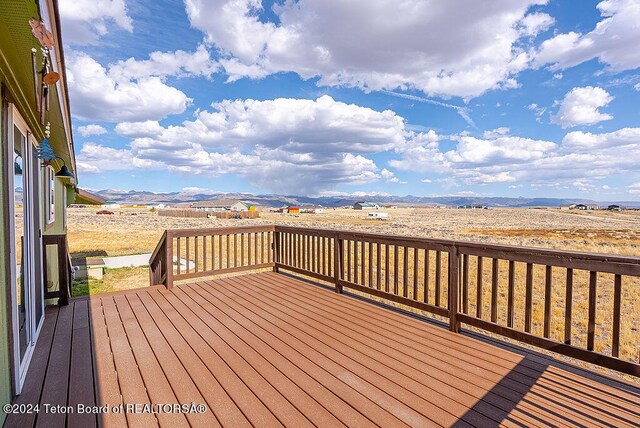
(99, 96)
(92, 129)
(637, 86)
(580, 106)
(634, 188)
(535, 23)
(586, 141)
(439, 48)
(85, 21)
(320, 142)
(162, 64)
(613, 41)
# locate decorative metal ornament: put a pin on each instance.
(45, 151)
(51, 78)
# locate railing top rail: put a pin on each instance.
(467, 245)
(158, 247)
(179, 233)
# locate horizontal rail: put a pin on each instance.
(526, 294)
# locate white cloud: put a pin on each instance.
(637, 86)
(535, 23)
(94, 158)
(92, 129)
(613, 41)
(426, 180)
(441, 48)
(588, 142)
(537, 110)
(85, 21)
(580, 107)
(634, 188)
(98, 96)
(320, 142)
(163, 64)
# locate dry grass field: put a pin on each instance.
(131, 231)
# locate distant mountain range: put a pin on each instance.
(135, 197)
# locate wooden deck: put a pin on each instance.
(267, 349)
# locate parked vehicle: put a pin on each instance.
(106, 212)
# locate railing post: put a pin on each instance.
(276, 249)
(337, 262)
(64, 270)
(168, 253)
(454, 288)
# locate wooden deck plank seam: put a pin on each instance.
(147, 302)
(234, 351)
(160, 295)
(284, 373)
(120, 378)
(417, 408)
(545, 386)
(155, 352)
(315, 363)
(443, 334)
(35, 421)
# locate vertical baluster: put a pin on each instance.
(195, 249)
(405, 271)
(178, 253)
(220, 257)
(355, 261)
(510, 292)
(415, 274)
(370, 264)
(249, 249)
(425, 287)
(338, 267)
(330, 266)
(256, 250)
(591, 328)
(438, 276)
(386, 268)
(528, 304)
(615, 336)
(204, 253)
(235, 249)
(568, 306)
(228, 239)
(548, 282)
(479, 288)
(188, 255)
(395, 269)
(465, 283)
(378, 267)
(213, 252)
(349, 260)
(494, 291)
(363, 263)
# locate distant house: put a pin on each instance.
(472, 207)
(585, 207)
(366, 206)
(567, 206)
(614, 208)
(220, 205)
(311, 209)
(293, 210)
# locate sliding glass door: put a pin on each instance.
(27, 291)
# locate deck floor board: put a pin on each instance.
(267, 349)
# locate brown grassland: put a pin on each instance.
(132, 231)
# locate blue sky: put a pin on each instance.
(322, 97)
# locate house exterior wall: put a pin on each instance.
(5, 342)
(239, 206)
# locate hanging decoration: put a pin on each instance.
(45, 151)
(43, 75)
(41, 33)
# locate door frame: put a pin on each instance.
(31, 232)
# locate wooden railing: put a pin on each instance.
(192, 253)
(578, 304)
(63, 262)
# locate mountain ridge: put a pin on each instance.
(142, 197)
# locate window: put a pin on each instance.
(50, 195)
